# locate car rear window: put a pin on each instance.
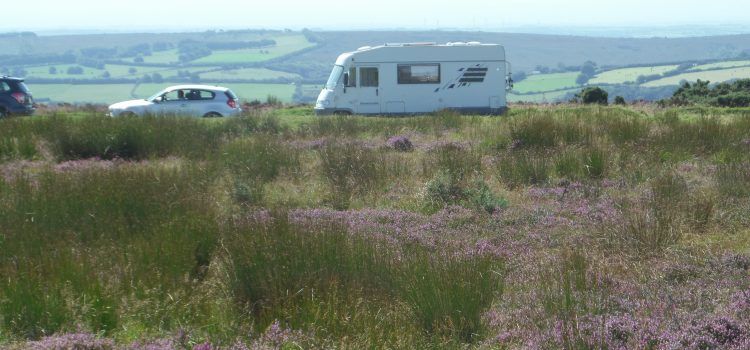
(22, 86)
(231, 95)
(13, 86)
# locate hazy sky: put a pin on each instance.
(136, 15)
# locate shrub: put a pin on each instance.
(400, 143)
(592, 95)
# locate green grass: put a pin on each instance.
(725, 64)
(284, 45)
(163, 57)
(248, 74)
(103, 94)
(714, 76)
(527, 229)
(546, 82)
(545, 97)
(628, 75)
(43, 72)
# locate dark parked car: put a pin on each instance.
(15, 97)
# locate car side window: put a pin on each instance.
(176, 95)
(4, 86)
(200, 95)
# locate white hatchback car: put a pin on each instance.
(188, 100)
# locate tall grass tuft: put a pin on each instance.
(80, 248)
(350, 170)
(291, 272)
(449, 294)
(524, 168)
(255, 161)
(570, 290)
(535, 131)
(658, 220)
(733, 179)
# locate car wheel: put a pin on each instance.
(212, 115)
(127, 114)
(342, 113)
(3, 113)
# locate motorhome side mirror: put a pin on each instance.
(346, 79)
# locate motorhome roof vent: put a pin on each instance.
(473, 43)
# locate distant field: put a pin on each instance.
(547, 82)
(714, 76)
(89, 93)
(624, 75)
(554, 96)
(169, 56)
(246, 92)
(247, 74)
(726, 64)
(44, 73)
(284, 46)
(115, 71)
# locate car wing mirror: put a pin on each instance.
(346, 81)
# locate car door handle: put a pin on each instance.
(377, 92)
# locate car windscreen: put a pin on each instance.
(158, 94)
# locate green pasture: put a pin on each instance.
(248, 74)
(547, 82)
(725, 64)
(714, 76)
(83, 93)
(284, 46)
(627, 75)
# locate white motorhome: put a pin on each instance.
(398, 79)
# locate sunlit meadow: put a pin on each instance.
(551, 227)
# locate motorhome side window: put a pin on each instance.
(352, 82)
(368, 77)
(419, 73)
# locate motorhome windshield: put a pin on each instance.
(335, 77)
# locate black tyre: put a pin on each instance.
(212, 115)
(3, 113)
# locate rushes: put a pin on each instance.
(350, 169)
(326, 263)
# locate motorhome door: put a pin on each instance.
(369, 90)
